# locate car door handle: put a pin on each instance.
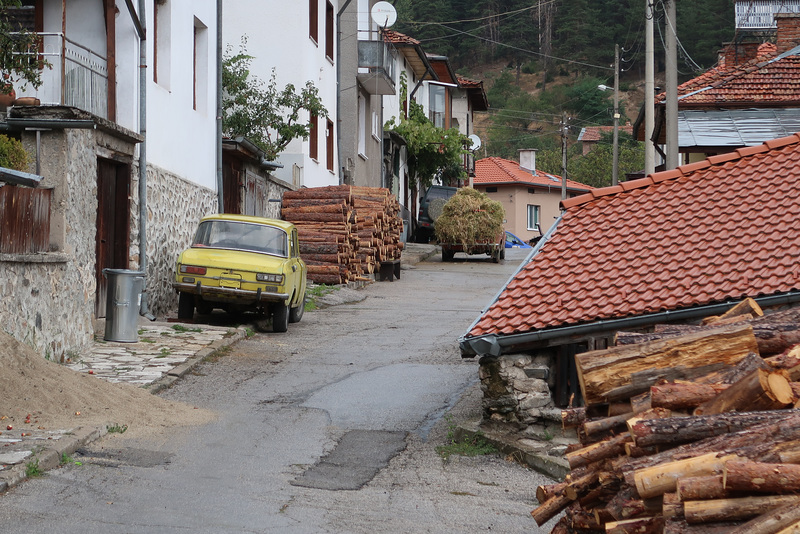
(294, 268)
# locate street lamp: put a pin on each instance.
(615, 164)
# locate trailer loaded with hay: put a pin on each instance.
(471, 223)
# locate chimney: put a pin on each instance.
(788, 31)
(738, 53)
(527, 160)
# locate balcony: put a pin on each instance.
(376, 64)
(78, 76)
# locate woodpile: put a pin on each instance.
(345, 231)
(690, 429)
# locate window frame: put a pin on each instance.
(537, 216)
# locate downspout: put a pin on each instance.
(143, 309)
(339, 88)
(220, 196)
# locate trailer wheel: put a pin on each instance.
(447, 254)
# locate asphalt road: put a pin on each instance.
(331, 427)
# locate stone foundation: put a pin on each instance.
(517, 390)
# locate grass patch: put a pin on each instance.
(32, 469)
(181, 328)
(116, 428)
(314, 292)
(164, 352)
(468, 445)
(67, 459)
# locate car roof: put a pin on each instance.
(283, 225)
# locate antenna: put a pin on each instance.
(384, 14)
(476, 142)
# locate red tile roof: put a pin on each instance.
(399, 38)
(769, 79)
(503, 171)
(710, 232)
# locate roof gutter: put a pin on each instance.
(494, 345)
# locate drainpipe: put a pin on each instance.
(220, 197)
(339, 87)
(143, 309)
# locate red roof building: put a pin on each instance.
(675, 246)
(529, 196)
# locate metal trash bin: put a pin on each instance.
(123, 300)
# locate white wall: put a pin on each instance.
(277, 34)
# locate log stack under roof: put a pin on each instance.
(345, 231)
(708, 439)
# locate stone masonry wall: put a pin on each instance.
(174, 207)
(511, 396)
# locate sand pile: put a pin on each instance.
(58, 398)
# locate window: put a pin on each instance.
(313, 20)
(362, 126)
(376, 126)
(533, 217)
(329, 30)
(437, 95)
(329, 145)
(200, 89)
(491, 190)
(24, 219)
(161, 43)
(313, 137)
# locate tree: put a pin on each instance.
(433, 153)
(19, 61)
(267, 117)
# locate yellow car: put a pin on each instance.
(240, 263)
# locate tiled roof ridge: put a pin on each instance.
(501, 164)
(723, 74)
(396, 37)
(679, 172)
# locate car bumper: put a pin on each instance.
(228, 294)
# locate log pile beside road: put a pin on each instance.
(692, 431)
(345, 231)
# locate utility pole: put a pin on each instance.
(563, 155)
(649, 92)
(615, 165)
(672, 85)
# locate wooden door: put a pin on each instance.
(113, 224)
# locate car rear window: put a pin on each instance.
(236, 235)
(439, 193)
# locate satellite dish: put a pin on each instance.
(384, 14)
(476, 141)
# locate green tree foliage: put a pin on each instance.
(434, 154)
(13, 155)
(265, 115)
(19, 63)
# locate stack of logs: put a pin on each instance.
(345, 231)
(691, 429)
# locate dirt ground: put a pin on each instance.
(58, 398)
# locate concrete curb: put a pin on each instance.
(555, 467)
(166, 381)
(49, 456)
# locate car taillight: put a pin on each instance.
(193, 269)
(274, 278)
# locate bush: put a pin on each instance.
(470, 217)
(13, 155)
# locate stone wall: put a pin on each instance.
(517, 389)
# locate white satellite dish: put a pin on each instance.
(476, 142)
(384, 14)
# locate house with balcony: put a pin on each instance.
(125, 158)
(300, 46)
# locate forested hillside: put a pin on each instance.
(543, 59)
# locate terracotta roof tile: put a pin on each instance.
(595, 133)
(503, 171)
(702, 234)
(769, 79)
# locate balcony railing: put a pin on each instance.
(78, 76)
(376, 67)
(760, 14)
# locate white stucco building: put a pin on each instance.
(299, 40)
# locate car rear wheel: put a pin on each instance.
(185, 306)
(280, 318)
(296, 313)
